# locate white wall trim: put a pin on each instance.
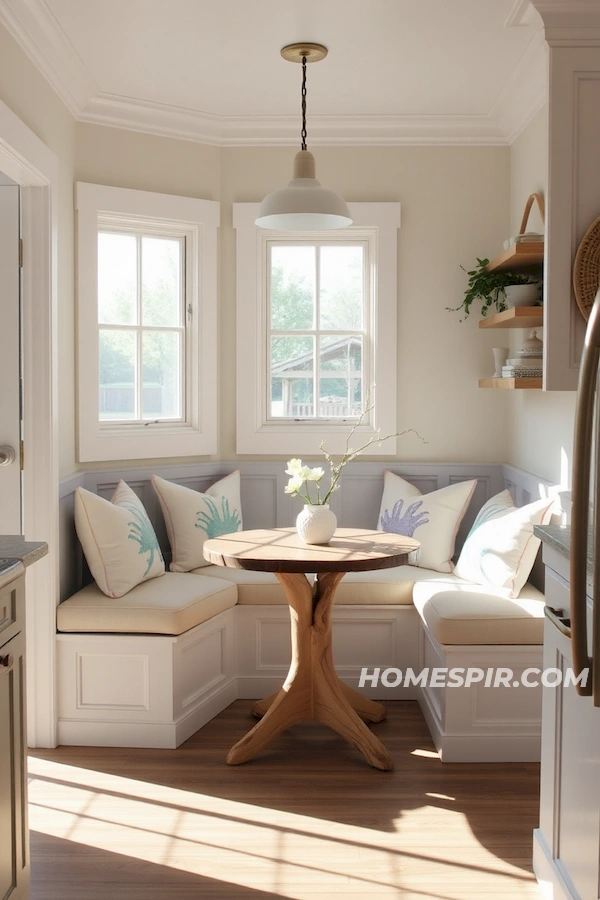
(31, 164)
(197, 220)
(32, 24)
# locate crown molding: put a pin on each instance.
(573, 23)
(153, 118)
(36, 30)
(521, 13)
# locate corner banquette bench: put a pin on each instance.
(152, 667)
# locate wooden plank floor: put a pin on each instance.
(307, 819)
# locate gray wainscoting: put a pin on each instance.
(265, 505)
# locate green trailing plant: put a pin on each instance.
(486, 288)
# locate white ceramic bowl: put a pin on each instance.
(522, 294)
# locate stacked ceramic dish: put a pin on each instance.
(528, 362)
(522, 368)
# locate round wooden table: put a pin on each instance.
(312, 689)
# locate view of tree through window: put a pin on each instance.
(316, 333)
(141, 326)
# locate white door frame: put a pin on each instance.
(29, 162)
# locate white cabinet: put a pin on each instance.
(567, 843)
(14, 838)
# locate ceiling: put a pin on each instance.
(398, 71)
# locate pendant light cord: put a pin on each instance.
(303, 134)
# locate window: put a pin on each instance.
(147, 324)
(317, 330)
(316, 325)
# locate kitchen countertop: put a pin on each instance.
(16, 554)
(556, 536)
(559, 537)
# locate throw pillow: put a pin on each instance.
(501, 547)
(433, 519)
(191, 518)
(118, 540)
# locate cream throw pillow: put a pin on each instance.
(433, 519)
(191, 518)
(118, 540)
(501, 547)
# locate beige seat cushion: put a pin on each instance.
(391, 587)
(382, 586)
(253, 588)
(469, 614)
(170, 604)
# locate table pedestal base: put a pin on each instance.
(312, 690)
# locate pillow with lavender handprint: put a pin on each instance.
(433, 519)
(192, 517)
(118, 540)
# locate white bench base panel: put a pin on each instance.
(157, 690)
(136, 690)
(478, 723)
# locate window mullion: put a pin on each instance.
(267, 387)
(317, 324)
(138, 370)
(184, 341)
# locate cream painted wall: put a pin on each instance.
(146, 162)
(30, 97)
(540, 422)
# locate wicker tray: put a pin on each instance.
(586, 269)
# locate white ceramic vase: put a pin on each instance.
(316, 524)
(500, 357)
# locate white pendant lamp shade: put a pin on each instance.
(303, 205)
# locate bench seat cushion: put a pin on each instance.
(382, 586)
(468, 614)
(170, 604)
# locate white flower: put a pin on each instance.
(294, 484)
(314, 474)
(294, 465)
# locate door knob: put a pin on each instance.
(7, 455)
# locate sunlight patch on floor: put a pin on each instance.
(284, 853)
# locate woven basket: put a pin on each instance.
(586, 269)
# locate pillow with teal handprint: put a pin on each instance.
(118, 540)
(432, 519)
(191, 517)
(500, 549)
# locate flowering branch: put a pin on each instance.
(301, 475)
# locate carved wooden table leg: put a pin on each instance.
(312, 689)
(369, 710)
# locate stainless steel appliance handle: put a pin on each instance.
(580, 497)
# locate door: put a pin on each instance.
(10, 381)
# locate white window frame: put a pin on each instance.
(377, 225)
(196, 220)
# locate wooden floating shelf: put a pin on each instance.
(512, 384)
(517, 317)
(521, 256)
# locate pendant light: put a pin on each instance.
(303, 205)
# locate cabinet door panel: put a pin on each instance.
(13, 815)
